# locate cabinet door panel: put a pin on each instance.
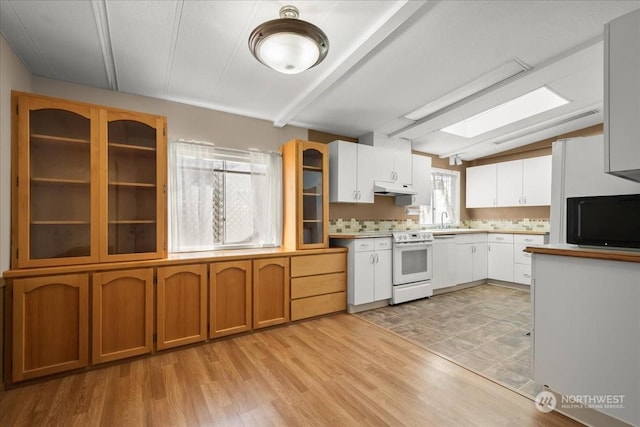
(230, 298)
(50, 325)
(342, 175)
(500, 264)
(384, 164)
(363, 278)
(480, 267)
(383, 275)
(536, 181)
(122, 314)
(270, 292)
(54, 207)
(509, 178)
(481, 186)
(181, 305)
(366, 174)
(133, 190)
(403, 166)
(464, 261)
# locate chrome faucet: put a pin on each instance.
(442, 215)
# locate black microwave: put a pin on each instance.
(608, 221)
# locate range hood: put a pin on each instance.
(392, 189)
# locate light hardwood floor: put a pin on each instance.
(337, 370)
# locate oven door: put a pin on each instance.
(412, 262)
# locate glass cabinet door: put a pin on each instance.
(55, 154)
(314, 211)
(135, 207)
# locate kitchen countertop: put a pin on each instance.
(581, 252)
(436, 232)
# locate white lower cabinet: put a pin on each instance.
(369, 269)
(471, 257)
(500, 257)
(522, 260)
(444, 261)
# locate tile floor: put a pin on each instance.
(483, 328)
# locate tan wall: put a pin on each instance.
(183, 121)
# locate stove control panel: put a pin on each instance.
(413, 236)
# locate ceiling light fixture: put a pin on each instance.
(525, 106)
(288, 44)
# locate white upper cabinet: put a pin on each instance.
(392, 158)
(421, 183)
(481, 186)
(622, 96)
(350, 172)
(516, 183)
(536, 181)
(509, 184)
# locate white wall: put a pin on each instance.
(13, 76)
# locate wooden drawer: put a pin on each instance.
(311, 265)
(317, 285)
(318, 305)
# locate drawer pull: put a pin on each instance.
(499, 238)
(527, 275)
(528, 255)
(528, 240)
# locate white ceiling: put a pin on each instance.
(386, 59)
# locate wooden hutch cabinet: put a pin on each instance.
(90, 183)
(306, 201)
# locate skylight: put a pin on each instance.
(525, 106)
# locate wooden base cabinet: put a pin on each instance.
(181, 305)
(270, 292)
(122, 314)
(229, 298)
(50, 325)
(318, 285)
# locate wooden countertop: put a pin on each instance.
(581, 252)
(173, 259)
(436, 232)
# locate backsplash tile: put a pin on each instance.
(352, 225)
(368, 225)
(509, 224)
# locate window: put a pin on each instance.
(445, 198)
(222, 198)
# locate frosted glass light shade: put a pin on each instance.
(288, 53)
(288, 45)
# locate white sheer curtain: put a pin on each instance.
(193, 192)
(222, 198)
(266, 183)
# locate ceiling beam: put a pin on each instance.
(104, 34)
(378, 33)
